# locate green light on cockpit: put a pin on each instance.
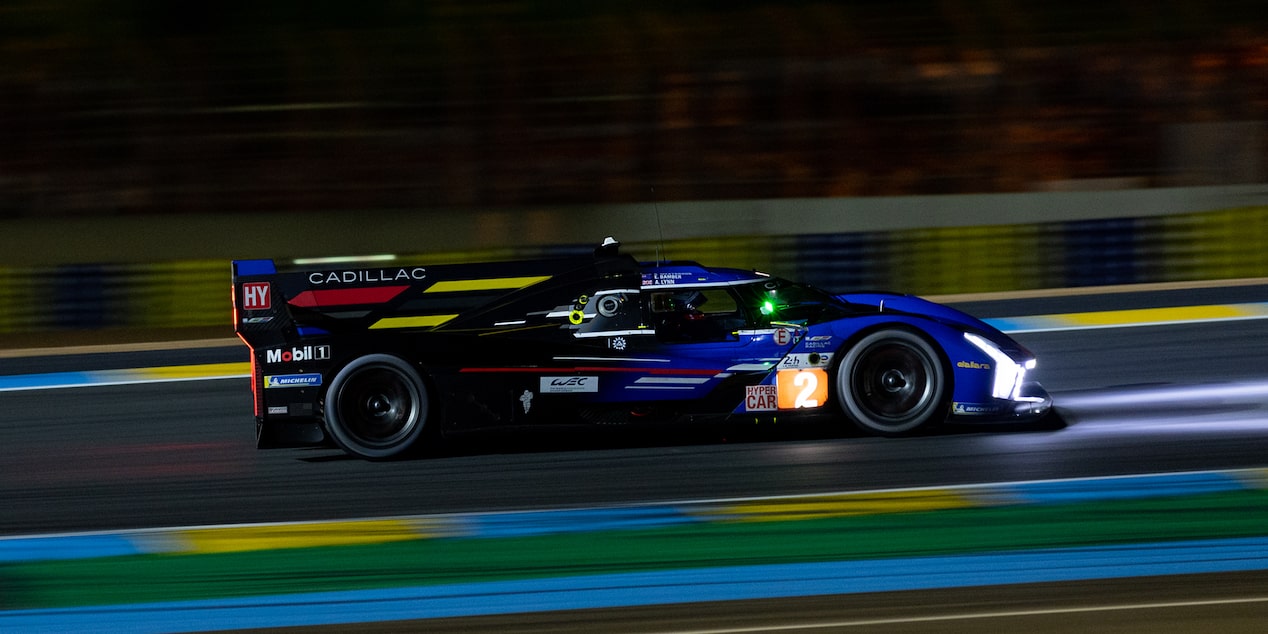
(768, 307)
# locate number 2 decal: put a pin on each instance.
(802, 389)
(809, 383)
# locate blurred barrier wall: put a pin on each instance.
(941, 258)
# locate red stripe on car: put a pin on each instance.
(346, 296)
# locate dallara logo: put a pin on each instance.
(973, 365)
(569, 384)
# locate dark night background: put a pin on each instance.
(152, 106)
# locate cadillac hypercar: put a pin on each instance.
(384, 360)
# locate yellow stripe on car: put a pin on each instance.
(490, 284)
(419, 321)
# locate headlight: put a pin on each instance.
(1008, 373)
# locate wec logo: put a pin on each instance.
(299, 354)
(569, 384)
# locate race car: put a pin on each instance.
(381, 361)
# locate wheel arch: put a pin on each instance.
(431, 418)
(943, 359)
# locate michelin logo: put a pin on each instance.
(971, 409)
(292, 380)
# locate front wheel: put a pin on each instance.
(892, 382)
(376, 407)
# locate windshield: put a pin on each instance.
(775, 301)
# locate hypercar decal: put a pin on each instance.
(490, 284)
(761, 398)
(347, 296)
(418, 321)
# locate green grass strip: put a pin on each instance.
(152, 578)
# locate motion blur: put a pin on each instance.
(1087, 176)
(149, 106)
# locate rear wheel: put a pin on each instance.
(376, 407)
(892, 382)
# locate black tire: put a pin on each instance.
(892, 382)
(376, 407)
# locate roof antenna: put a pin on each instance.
(660, 246)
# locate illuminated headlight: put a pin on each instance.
(1009, 374)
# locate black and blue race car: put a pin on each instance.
(381, 360)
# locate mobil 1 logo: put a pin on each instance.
(297, 354)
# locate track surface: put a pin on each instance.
(1134, 400)
(182, 453)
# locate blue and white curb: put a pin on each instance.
(189, 540)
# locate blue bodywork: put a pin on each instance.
(806, 341)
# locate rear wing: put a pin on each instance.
(259, 314)
(274, 306)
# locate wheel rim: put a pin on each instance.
(893, 383)
(378, 407)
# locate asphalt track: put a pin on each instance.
(1163, 398)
